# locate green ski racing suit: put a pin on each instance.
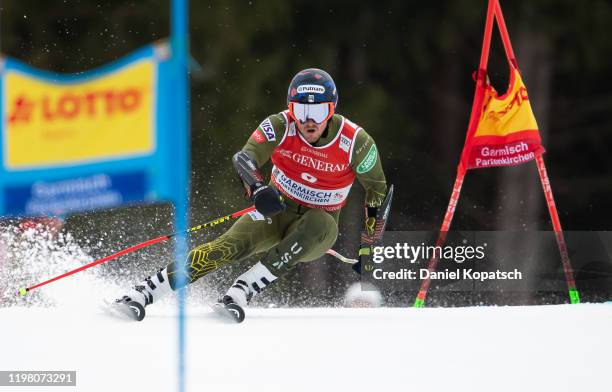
(300, 233)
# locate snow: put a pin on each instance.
(538, 348)
(552, 348)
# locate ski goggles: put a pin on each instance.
(317, 112)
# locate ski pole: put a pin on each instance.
(223, 219)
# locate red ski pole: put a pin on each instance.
(223, 219)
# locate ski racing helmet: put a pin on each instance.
(312, 95)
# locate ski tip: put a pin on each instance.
(138, 312)
(230, 312)
(131, 310)
(22, 292)
(237, 312)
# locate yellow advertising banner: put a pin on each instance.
(50, 124)
(507, 132)
(509, 113)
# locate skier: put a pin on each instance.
(316, 155)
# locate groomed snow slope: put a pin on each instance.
(540, 348)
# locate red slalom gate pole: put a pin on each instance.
(481, 80)
(24, 291)
(556, 223)
(448, 217)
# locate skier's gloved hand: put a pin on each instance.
(374, 226)
(370, 225)
(375, 223)
(268, 200)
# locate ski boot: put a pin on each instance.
(132, 305)
(243, 290)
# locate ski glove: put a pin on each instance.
(371, 234)
(268, 201)
(374, 226)
(375, 223)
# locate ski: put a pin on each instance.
(130, 310)
(229, 312)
